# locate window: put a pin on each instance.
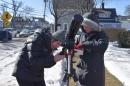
(65, 26)
(106, 14)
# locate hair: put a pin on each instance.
(92, 24)
(90, 19)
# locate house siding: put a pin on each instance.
(126, 25)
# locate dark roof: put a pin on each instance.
(106, 14)
(112, 10)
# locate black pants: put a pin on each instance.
(22, 82)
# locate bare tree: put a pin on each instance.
(27, 10)
(53, 7)
(3, 7)
(86, 5)
(127, 10)
(59, 8)
(15, 6)
(56, 11)
(45, 5)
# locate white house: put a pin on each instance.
(107, 17)
(68, 8)
(125, 25)
(125, 22)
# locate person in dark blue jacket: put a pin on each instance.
(36, 55)
(94, 42)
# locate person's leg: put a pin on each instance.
(22, 82)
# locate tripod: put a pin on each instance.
(69, 44)
(70, 71)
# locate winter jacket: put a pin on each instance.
(34, 57)
(90, 70)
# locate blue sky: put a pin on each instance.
(38, 5)
(120, 5)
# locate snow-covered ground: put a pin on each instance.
(8, 55)
(117, 61)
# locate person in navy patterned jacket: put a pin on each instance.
(94, 42)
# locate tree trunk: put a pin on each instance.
(56, 23)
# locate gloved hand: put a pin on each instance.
(58, 57)
(78, 46)
(63, 53)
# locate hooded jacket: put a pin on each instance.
(90, 70)
(34, 57)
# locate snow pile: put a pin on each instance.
(9, 52)
(117, 61)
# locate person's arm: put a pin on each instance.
(99, 45)
(58, 57)
(44, 59)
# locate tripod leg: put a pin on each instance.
(66, 77)
(75, 78)
(65, 81)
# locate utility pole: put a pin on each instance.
(14, 13)
(103, 2)
(14, 8)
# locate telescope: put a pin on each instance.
(68, 47)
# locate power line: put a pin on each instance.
(6, 2)
(6, 7)
(21, 11)
(29, 14)
(16, 6)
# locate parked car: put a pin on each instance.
(24, 33)
(9, 29)
(10, 32)
(5, 35)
